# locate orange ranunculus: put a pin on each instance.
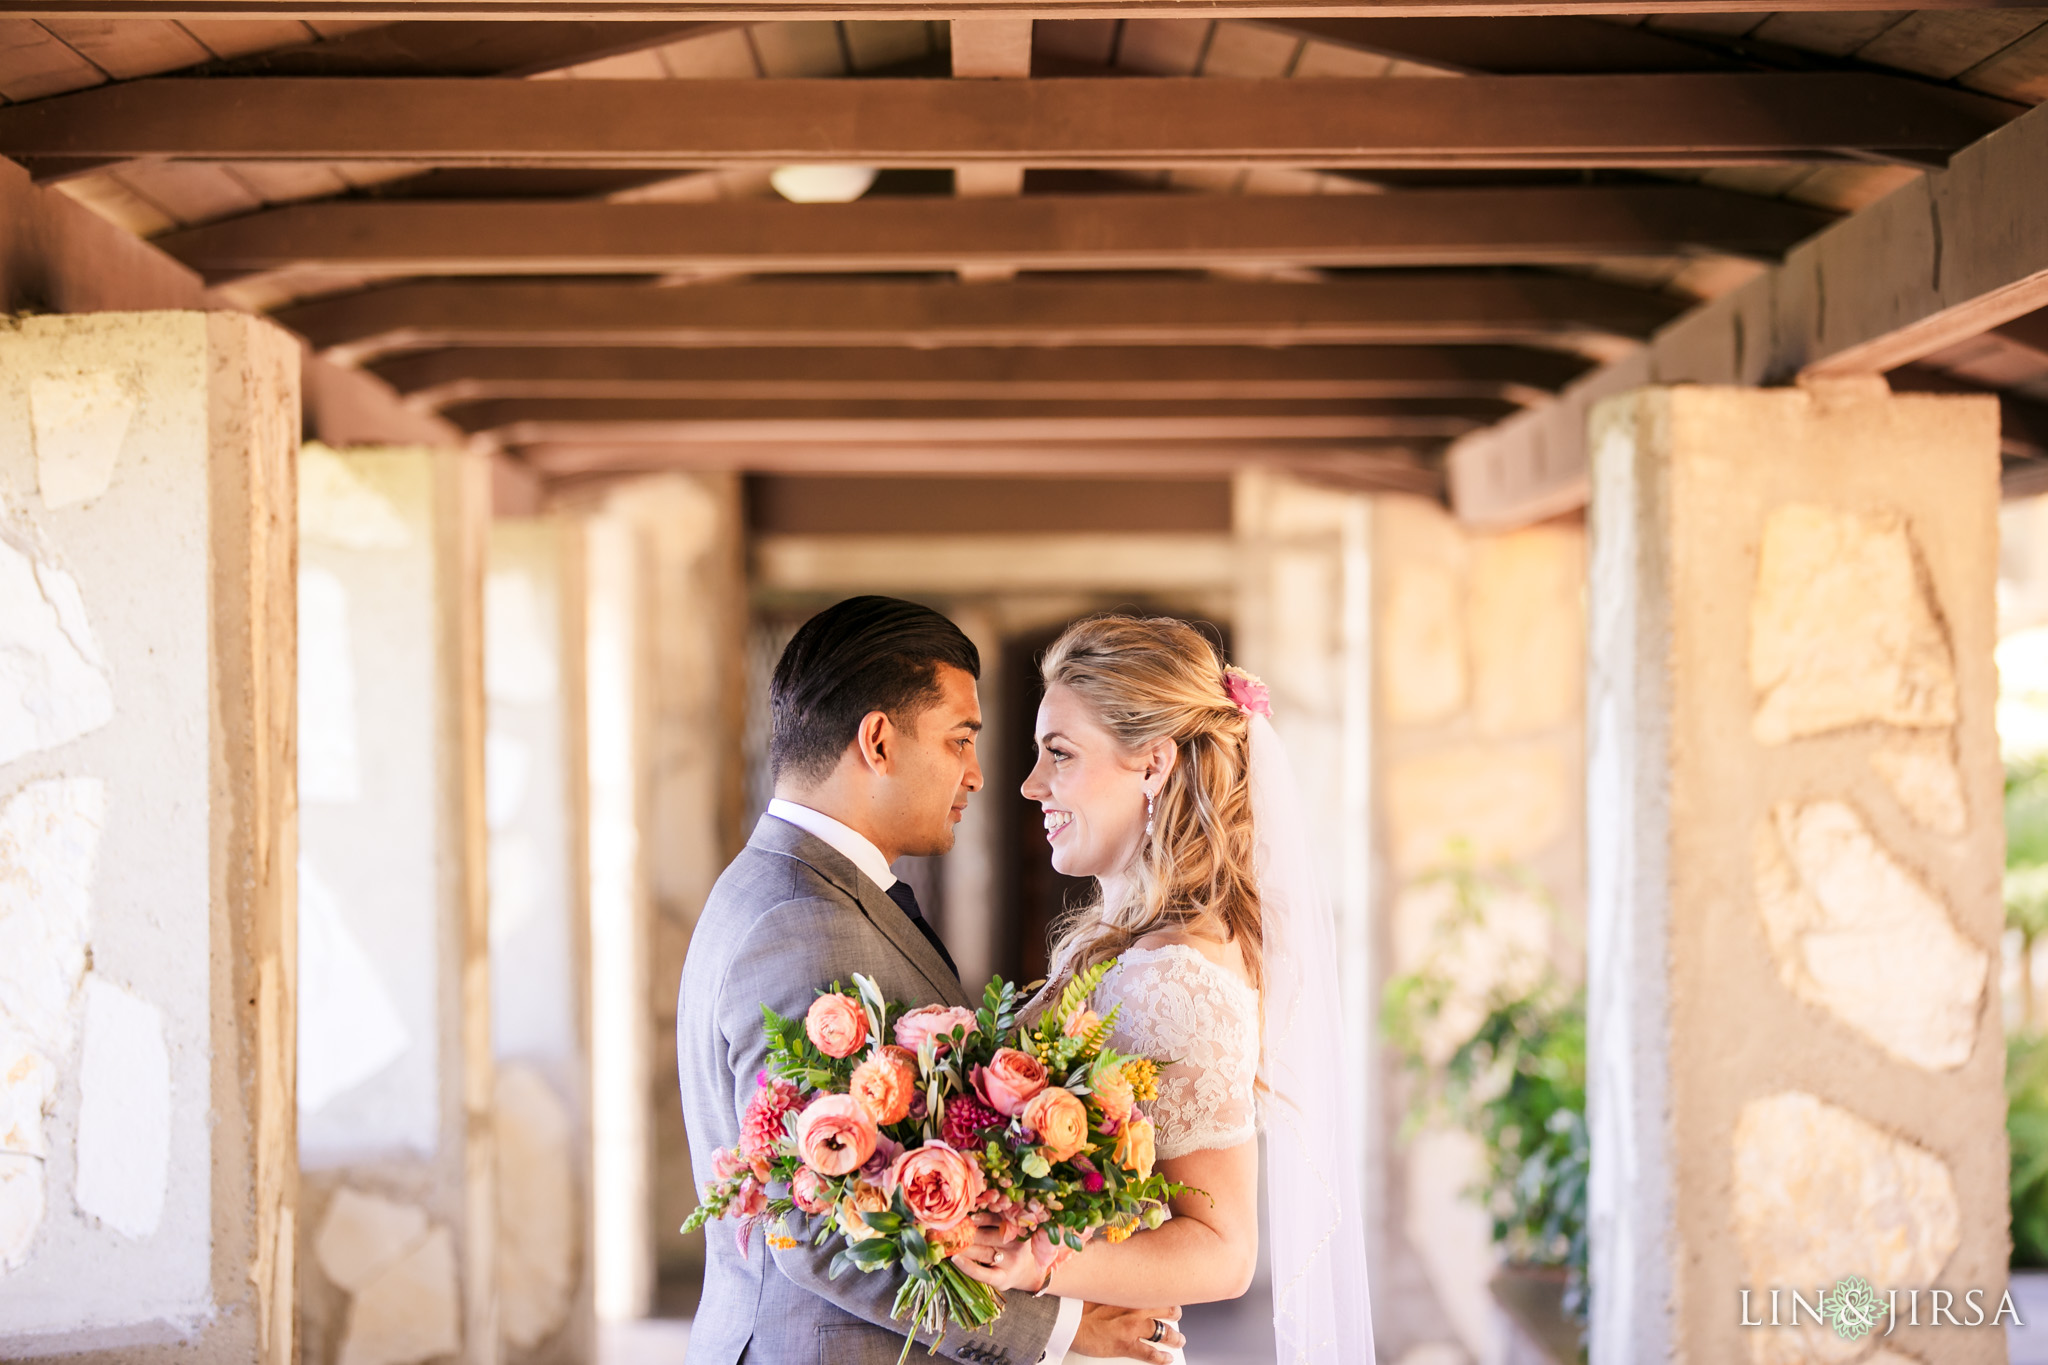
(837, 1025)
(1009, 1080)
(1060, 1120)
(883, 1086)
(865, 1198)
(835, 1135)
(1112, 1091)
(938, 1184)
(1081, 1023)
(1134, 1149)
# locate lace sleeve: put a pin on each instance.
(1180, 1008)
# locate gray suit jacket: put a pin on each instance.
(790, 915)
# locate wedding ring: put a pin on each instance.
(1158, 1330)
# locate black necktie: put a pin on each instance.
(906, 900)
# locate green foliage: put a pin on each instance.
(2026, 1126)
(2026, 1050)
(1517, 1082)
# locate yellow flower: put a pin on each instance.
(1143, 1074)
(1134, 1146)
(865, 1198)
(1118, 1232)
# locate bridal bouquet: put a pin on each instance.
(904, 1124)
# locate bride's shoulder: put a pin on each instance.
(1225, 956)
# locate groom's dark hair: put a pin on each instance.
(858, 656)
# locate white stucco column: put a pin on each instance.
(395, 1089)
(1795, 1059)
(540, 960)
(148, 1182)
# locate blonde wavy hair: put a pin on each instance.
(1145, 679)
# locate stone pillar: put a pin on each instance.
(1303, 624)
(1794, 870)
(689, 529)
(1479, 656)
(148, 1182)
(612, 599)
(535, 790)
(395, 1077)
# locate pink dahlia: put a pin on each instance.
(966, 1119)
(761, 1124)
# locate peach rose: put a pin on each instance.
(808, 1191)
(1060, 1120)
(835, 1135)
(1134, 1151)
(1081, 1023)
(865, 1198)
(837, 1025)
(938, 1184)
(1009, 1080)
(934, 1022)
(1112, 1091)
(882, 1086)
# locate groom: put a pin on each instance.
(875, 718)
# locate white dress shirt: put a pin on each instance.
(861, 852)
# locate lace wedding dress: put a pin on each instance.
(1178, 1004)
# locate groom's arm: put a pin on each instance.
(787, 955)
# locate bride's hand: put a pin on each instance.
(999, 1262)
(1129, 1333)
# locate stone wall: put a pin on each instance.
(148, 1187)
(1480, 666)
(395, 1091)
(1796, 856)
(540, 961)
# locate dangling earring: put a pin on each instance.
(1148, 813)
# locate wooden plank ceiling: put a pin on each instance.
(1121, 244)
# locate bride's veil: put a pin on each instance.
(1315, 1227)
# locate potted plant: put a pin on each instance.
(1504, 1058)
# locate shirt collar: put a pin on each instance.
(851, 842)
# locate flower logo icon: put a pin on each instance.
(1854, 1308)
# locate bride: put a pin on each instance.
(1161, 777)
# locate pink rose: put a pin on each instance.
(934, 1022)
(837, 1025)
(808, 1191)
(1252, 696)
(1009, 1080)
(835, 1135)
(938, 1184)
(1060, 1120)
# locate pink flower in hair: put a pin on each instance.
(1251, 695)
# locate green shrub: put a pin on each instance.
(1517, 1083)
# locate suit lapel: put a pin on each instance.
(836, 868)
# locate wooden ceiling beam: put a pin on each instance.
(1517, 374)
(1040, 232)
(1353, 464)
(1698, 119)
(1543, 45)
(827, 421)
(450, 49)
(1425, 307)
(758, 11)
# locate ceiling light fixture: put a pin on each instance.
(822, 184)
